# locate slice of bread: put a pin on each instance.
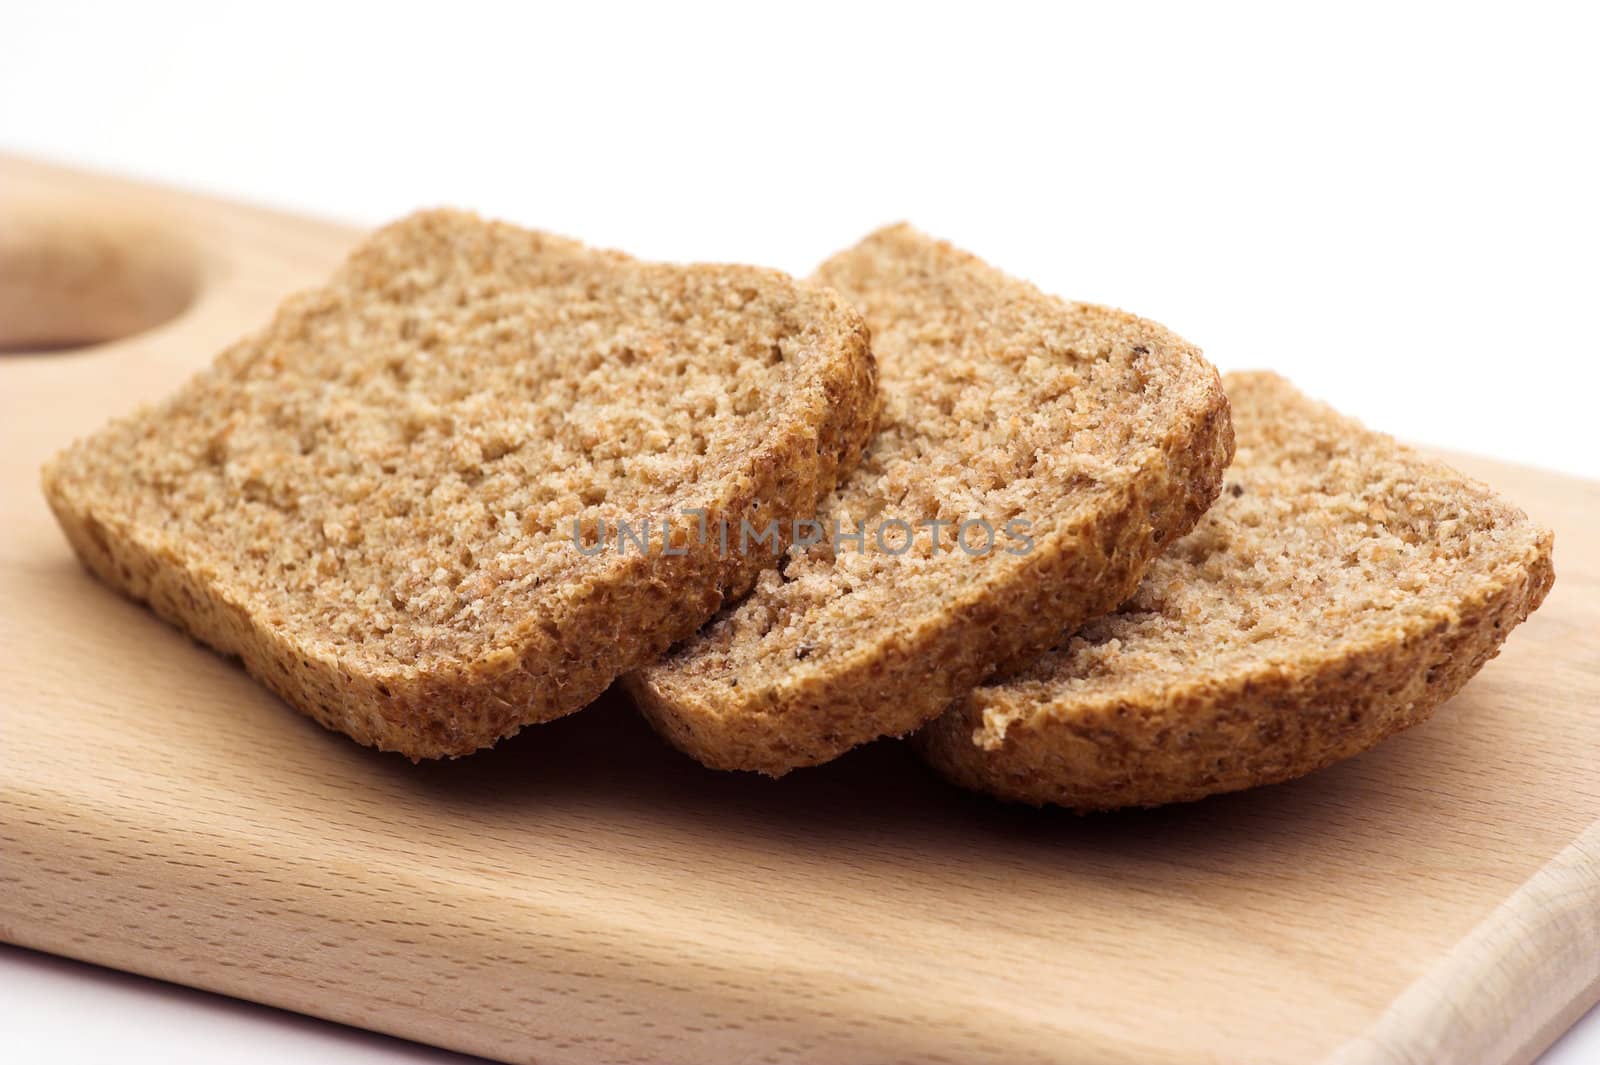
(1102, 436)
(1341, 588)
(389, 501)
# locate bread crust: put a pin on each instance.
(1204, 731)
(1088, 558)
(610, 614)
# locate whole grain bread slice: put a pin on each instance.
(1102, 434)
(1340, 590)
(393, 502)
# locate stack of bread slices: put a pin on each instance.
(484, 473)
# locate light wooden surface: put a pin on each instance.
(582, 893)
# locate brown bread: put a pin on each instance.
(371, 501)
(1105, 433)
(1341, 589)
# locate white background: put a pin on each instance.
(1394, 205)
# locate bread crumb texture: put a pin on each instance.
(1103, 434)
(1340, 589)
(372, 500)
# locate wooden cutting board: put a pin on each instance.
(582, 893)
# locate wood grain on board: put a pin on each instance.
(583, 893)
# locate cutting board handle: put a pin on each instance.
(76, 271)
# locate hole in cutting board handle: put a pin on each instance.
(72, 276)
